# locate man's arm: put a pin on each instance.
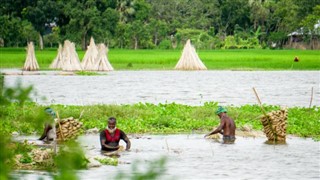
(218, 130)
(124, 137)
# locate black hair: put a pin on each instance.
(112, 119)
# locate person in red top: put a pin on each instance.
(110, 137)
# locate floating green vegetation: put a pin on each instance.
(161, 118)
(108, 161)
(87, 73)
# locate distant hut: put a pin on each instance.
(58, 61)
(89, 58)
(71, 60)
(31, 63)
(102, 63)
(189, 59)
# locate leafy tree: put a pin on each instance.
(141, 9)
(231, 15)
(158, 29)
(305, 7)
(258, 13)
(121, 35)
(52, 38)
(41, 13)
(125, 9)
(105, 30)
(91, 17)
(309, 23)
(137, 32)
(83, 17)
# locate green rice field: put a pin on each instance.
(124, 59)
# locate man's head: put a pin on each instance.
(220, 111)
(50, 111)
(112, 123)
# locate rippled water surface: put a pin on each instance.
(286, 88)
(193, 157)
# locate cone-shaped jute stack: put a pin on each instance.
(275, 125)
(71, 60)
(68, 128)
(31, 63)
(58, 61)
(189, 59)
(102, 62)
(89, 58)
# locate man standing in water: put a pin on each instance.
(48, 132)
(110, 137)
(227, 126)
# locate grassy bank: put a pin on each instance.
(161, 118)
(167, 59)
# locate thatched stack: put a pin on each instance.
(31, 63)
(58, 61)
(189, 59)
(275, 125)
(88, 61)
(102, 63)
(71, 60)
(68, 128)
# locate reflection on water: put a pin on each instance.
(193, 157)
(286, 88)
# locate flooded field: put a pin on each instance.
(190, 156)
(285, 88)
(193, 157)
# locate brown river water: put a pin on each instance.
(285, 88)
(190, 156)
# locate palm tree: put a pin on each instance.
(125, 9)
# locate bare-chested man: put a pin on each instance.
(227, 126)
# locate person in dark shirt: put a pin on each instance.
(227, 126)
(48, 133)
(110, 137)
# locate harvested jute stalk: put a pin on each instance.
(275, 125)
(69, 128)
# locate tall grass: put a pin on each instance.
(122, 59)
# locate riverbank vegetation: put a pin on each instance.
(166, 59)
(161, 118)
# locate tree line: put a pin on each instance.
(166, 24)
